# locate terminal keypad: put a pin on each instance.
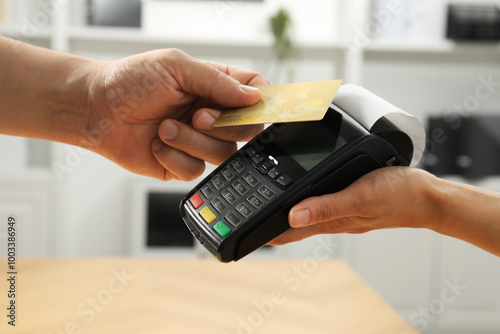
(236, 193)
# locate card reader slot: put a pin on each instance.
(208, 246)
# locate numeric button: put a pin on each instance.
(240, 187)
(228, 175)
(229, 196)
(217, 182)
(266, 193)
(238, 166)
(244, 210)
(218, 205)
(255, 201)
(251, 179)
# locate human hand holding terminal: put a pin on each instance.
(395, 197)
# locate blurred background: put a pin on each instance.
(439, 60)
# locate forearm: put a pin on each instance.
(468, 213)
(43, 94)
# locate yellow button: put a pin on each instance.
(207, 215)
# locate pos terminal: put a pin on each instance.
(245, 202)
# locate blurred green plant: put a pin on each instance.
(281, 25)
(284, 46)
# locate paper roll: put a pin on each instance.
(367, 108)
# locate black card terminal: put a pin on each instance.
(245, 202)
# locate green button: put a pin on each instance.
(222, 229)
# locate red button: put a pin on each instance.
(196, 201)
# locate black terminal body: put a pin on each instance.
(245, 202)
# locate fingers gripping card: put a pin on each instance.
(298, 102)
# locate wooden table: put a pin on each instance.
(148, 296)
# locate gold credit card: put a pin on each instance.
(297, 102)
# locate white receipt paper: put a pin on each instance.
(367, 108)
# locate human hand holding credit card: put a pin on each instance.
(297, 102)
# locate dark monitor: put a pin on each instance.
(165, 227)
(117, 13)
(463, 146)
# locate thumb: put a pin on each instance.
(201, 79)
(320, 209)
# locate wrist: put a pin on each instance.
(74, 102)
(44, 94)
(435, 191)
(468, 213)
(428, 197)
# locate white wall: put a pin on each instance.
(92, 203)
(238, 21)
(14, 151)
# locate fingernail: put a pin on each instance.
(168, 130)
(300, 218)
(249, 89)
(157, 145)
(206, 121)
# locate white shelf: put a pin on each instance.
(18, 33)
(137, 36)
(437, 47)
